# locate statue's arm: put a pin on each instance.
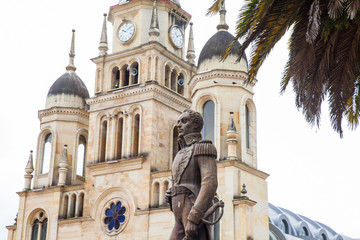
(205, 155)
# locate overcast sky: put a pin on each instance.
(312, 171)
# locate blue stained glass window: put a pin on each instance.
(114, 216)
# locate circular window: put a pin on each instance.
(115, 216)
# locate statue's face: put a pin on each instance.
(185, 124)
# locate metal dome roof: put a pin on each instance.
(69, 83)
(216, 46)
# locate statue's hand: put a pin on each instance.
(168, 196)
(190, 230)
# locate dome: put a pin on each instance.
(214, 48)
(67, 91)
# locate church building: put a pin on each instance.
(102, 163)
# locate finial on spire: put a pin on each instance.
(154, 31)
(28, 169)
(71, 66)
(190, 55)
(222, 25)
(103, 46)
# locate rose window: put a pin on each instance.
(115, 216)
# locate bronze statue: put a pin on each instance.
(194, 176)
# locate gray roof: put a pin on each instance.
(217, 45)
(296, 224)
(69, 83)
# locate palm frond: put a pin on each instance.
(353, 107)
(215, 7)
(335, 8)
(353, 8)
(314, 22)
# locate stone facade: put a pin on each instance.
(128, 130)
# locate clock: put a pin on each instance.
(176, 36)
(126, 31)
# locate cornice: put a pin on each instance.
(74, 220)
(244, 167)
(244, 201)
(140, 89)
(149, 46)
(155, 175)
(121, 165)
(223, 74)
(62, 110)
(51, 189)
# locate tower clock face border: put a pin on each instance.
(176, 36)
(126, 31)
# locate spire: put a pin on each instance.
(222, 25)
(190, 55)
(71, 66)
(154, 31)
(103, 46)
(30, 166)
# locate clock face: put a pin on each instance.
(126, 31)
(176, 36)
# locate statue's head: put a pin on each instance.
(189, 122)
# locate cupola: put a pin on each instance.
(214, 49)
(68, 90)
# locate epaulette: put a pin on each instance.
(205, 147)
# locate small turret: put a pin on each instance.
(103, 46)
(190, 55)
(231, 139)
(63, 164)
(29, 169)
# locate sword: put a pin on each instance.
(211, 210)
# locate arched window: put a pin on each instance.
(247, 122)
(103, 135)
(119, 136)
(173, 80)
(304, 232)
(46, 154)
(167, 76)
(156, 68)
(80, 162)
(115, 78)
(125, 76)
(209, 120)
(155, 195)
(35, 230)
(284, 226)
(39, 227)
(80, 203)
(181, 82)
(136, 135)
(65, 206)
(175, 145)
(71, 210)
(323, 237)
(134, 72)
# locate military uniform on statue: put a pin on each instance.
(194, 174)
